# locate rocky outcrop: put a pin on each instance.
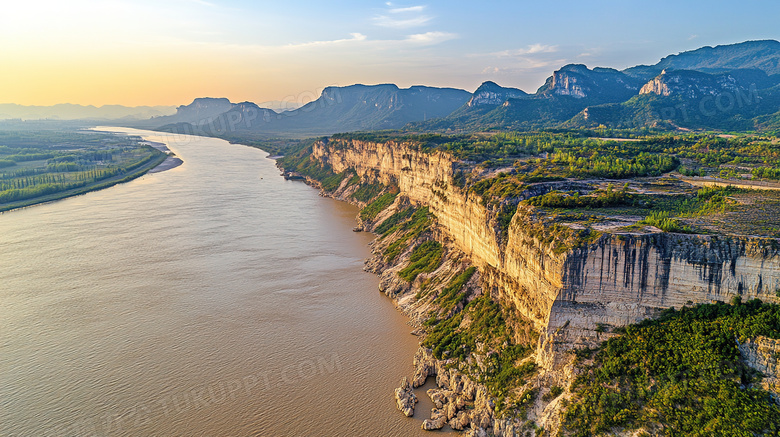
(626, 278)
(694, 84)
(459, 401)
(763, 354)
(569, 83)
(437, 421)
(492, 94)
(603, 85)
(405, 398)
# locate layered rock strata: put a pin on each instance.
(763, 354)
(574, 297)
(577, 296)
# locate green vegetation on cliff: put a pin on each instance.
(410, 230)
(667, 211)
(503, 186)
(570, 153)
(318, 171)
(596, 199)
(483, 326)
(389, 223)
(453, 294)
(425, 258)
(367, 192)
(549, 232)
(582, 154)
(378, 205)
(679, 375)
(662, 221)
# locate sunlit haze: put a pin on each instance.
(152, 52)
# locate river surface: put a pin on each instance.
(213, 299)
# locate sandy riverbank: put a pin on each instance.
(171, 162)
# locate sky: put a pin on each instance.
(168, 52)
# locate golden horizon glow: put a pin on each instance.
(168, 52)
(138, 53)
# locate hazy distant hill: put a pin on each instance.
(761, 55)
(68, 111)
(371, 107)
(201, 110)
(338, 109)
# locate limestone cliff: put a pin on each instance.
(491, 94)
(763, 355)
(694, 84)
(599, 84)
(574, 297)
(620, 279)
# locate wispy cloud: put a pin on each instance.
(354, 37)
(524, 65)
(531, 60)
(385, 21)
(539, 48)
(430, 38)
(357, 42)
(202, 3)
(402, 17)
(406, 9)
(530, 50)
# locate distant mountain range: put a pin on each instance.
(68, 111)
(730, 87)
(338, 109)
(759, 55)
(727, 87)
(203, 109)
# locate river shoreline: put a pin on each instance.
(157, 165)
(450, 401)
(171, 162)
(153, 163)
(215, 300)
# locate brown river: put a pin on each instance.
(213, 299)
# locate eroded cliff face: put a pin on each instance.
(490, 94)
(525, 273)
(763, 355)
(623, 279)
(692, 84)
(573, 298)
